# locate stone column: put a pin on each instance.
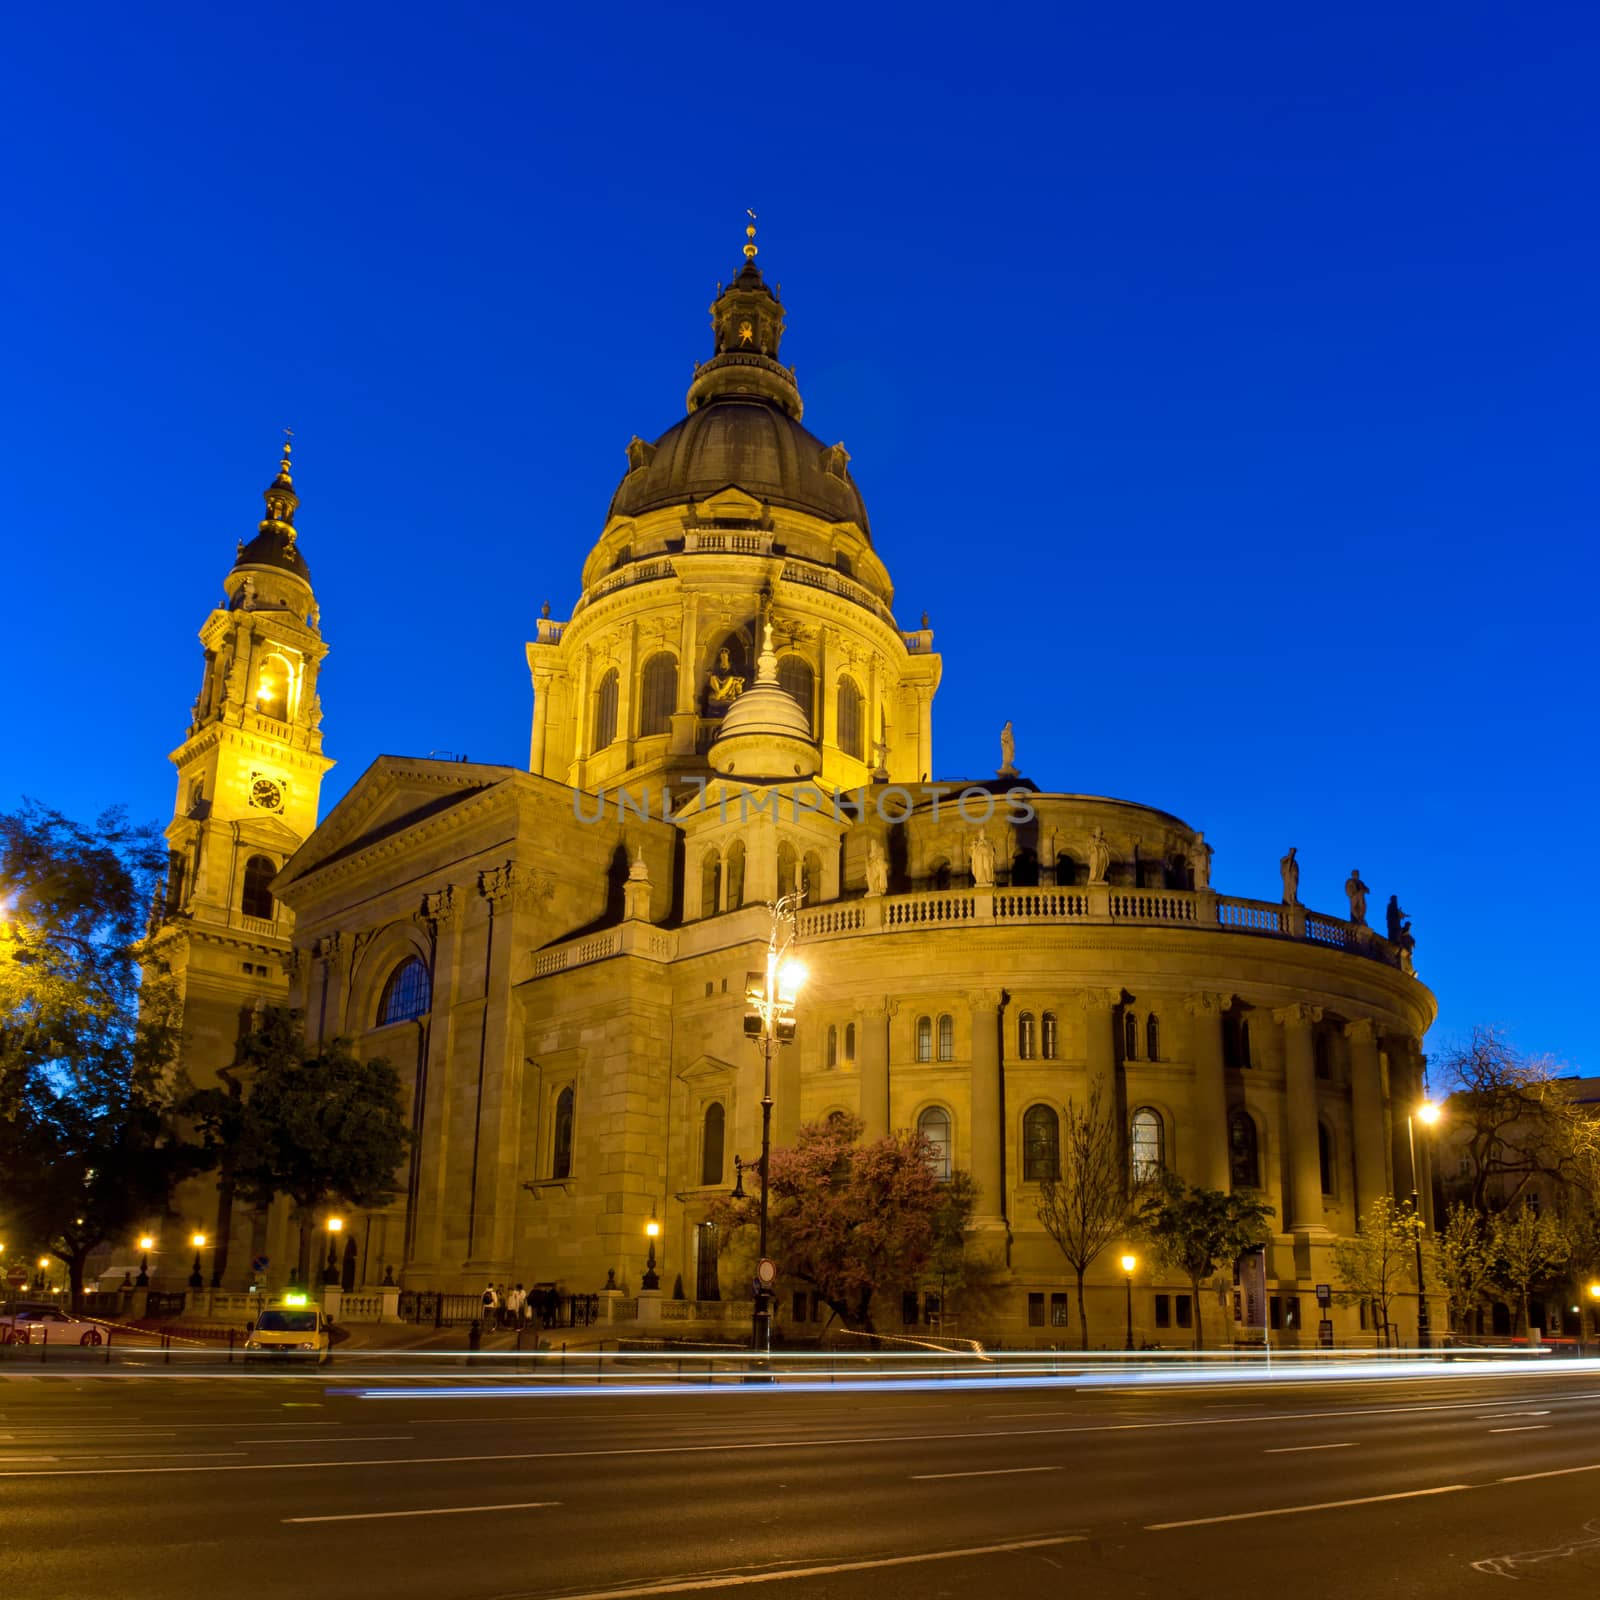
(1366, 1108)
(541, 722)
(334, 949)
(988, 1134)
(1300, 1094)
(685, 718)
(1209, 1166)
(425, 1226)
(1100, 1048)
(872, 1046)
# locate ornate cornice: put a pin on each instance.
(1301, 1012)
(1363, 1030)
(1204, 1003)
(984, 999)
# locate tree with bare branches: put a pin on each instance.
(1373, 1263)
(1084, 1205)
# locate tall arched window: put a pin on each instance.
(796, 678)
(605, 709)
(405, 994)
(934, 1126)
(1047, 1036)
(939, 872)
(786, 869)
(256, 900)
(1068, 871)
(811, 878)
(1147, 1145)
(1025, 1040)
(831, 1049)
(924, 1038)
(1325, 1156)
(1152, 1038)
(1041, 1144)
(734, 897)
(947, 1037)
(272, 688)
(561, 1137)
(658, 693)
(849, 1044)
(710, 883)
(711, 1132)
(1130, 1036)
(1244, 1161)
(850, 718)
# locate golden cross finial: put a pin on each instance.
(750, 235)
(288, 445)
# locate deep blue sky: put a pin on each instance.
(1221, 380)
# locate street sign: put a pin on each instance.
(767, 1273)
(260, 1264)
(1324, 1294)
(17, 1277)
(1325, 1334)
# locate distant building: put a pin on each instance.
(558, 970)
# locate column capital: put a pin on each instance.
(872, 1010)
(1101, 999)
(333, 948)
(1300, 1012)
(984, 999)
(1361, 1031)
(1204, 1003)
(439, 909)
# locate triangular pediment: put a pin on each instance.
(733, 504)
(704, 1068)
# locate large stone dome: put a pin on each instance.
(748, 443)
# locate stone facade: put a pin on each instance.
(555, 959)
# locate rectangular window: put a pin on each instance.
(1163, 1311)
(1238, 1307)
(931, 1309)
(908, 1308)
(1035, 1310)
(1291, 1311)
(799, 1305)
(1058, 1311)
(1275, 1312)
(1185, 1311)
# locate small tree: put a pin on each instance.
(1462, 1262)
(1382, 1255)
(1528, 1247)
(1198, 1230)
(854, 1220)
(1083, 1206)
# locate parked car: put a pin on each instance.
(38, 1322)
(290, 1333)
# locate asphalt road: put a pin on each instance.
(130, 1482)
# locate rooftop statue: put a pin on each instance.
(1358, 892)
(980, 854)
(1290, 868)
(1099, 856)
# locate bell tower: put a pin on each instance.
(249, 776)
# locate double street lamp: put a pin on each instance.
(1426, 1113)
(770, 998)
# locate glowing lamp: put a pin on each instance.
(146, 1242)
(652, 1229)
(1129, 1263)
(791, 979)
(198, 1241)
(1428, 1112)
(44, 1261)
(335, 1224)
(1594, 1291)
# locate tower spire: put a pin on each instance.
(281, 499)
(750, 237)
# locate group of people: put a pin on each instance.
(517, 1307)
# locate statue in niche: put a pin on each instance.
(877, 869)
(1200, 862)
(1358, 892)
(980, 856)
(1290, 870)
(723, 684)
(1099, 856)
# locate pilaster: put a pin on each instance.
(1366, 1110)
(1210, 1164)
(1300, 1093)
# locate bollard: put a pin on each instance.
(109, 1331)
(44, 1348)
(230, 1347)
(166, 1349)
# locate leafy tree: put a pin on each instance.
(318, 1129)
(1462, 1262)
(1083, 1206)
(949, 1267)
(1381, 1255)
(852, 1220)
(1196, 1230)
(88, 1034)
(1529, 1247)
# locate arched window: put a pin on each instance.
(849, 1044)
(1244, 1161)
(947, 1037)
(831, 1057)
(734, 897)
(850, 718)
(1235, 1040)
(1025, 1036)
(272, 688)
(256, 901)
(561, 1139)
(1047, 1036)
(658, 693)
(1067, 870)
(1130, 1036)
(405, 994)
(1147, 1145)
(605, 710)
(934, 1126)
(939, 872)
(1025, 870)
(1041, 1144)
(710, 883)
(924, 1039)
(1325, 1157)
(811, 878)
(1152, 1038)
(711, 1143)
(796, 678)
(786, 869)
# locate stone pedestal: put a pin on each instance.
(389, 1303)
(649, 1305)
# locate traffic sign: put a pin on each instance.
(260, 1264)
(767, 1273)
(17, 1277)
(1324, 1294)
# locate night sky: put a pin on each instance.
(1220, 380)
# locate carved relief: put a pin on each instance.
(440, 909)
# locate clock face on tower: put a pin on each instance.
(266, 794)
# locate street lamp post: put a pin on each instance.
(770, 997)
(651, 1278)
(146, 1245)
(196, 1277)
(330, 1273)
(1427, 1113)
(1129, 1262)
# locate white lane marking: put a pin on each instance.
(1556, 1472)
(993, 1472)
(432, 1511)
(29, 1458)
(743, 1580)
(1530, 1427)
(1294, 1449)
(1488, 1415)
(1320, 1505)
(360, 1438)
